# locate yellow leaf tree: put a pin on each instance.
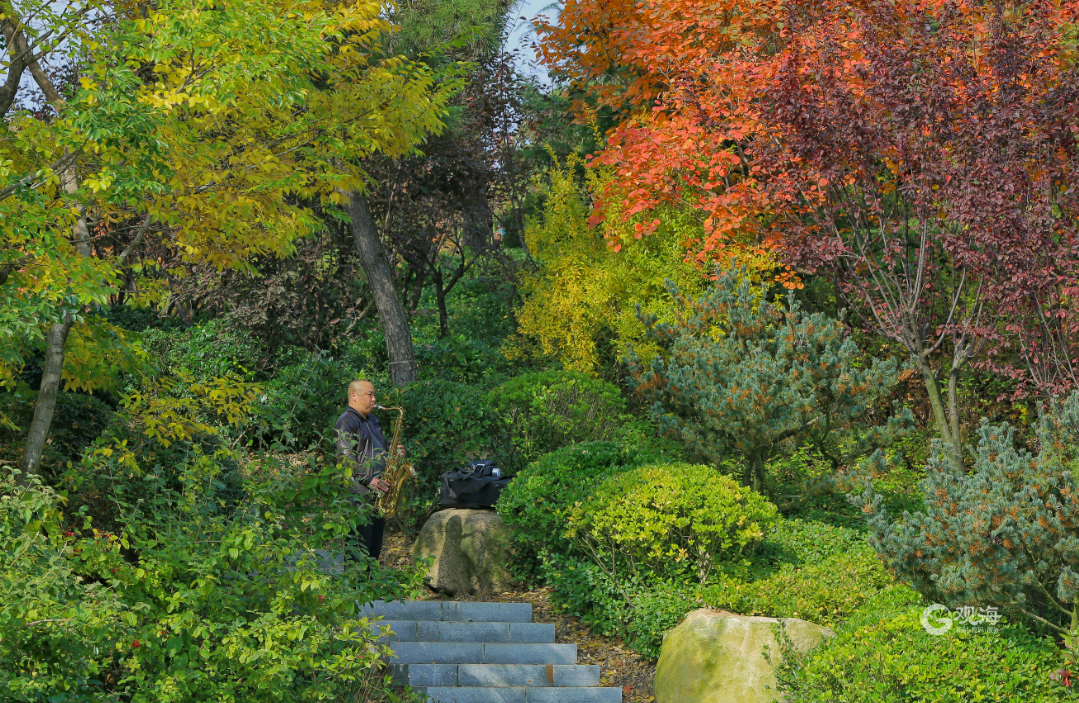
(204, 127)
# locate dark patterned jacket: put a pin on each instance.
(360, 442)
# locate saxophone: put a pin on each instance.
(397, 469)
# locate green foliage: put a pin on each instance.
(446, 425)
(208, 350)
(824, 592)
(202, 591)
(537, 413)
(669, 520)
(53, 621)
(739, 376)
(1003, 533)
(187, 602)
(537, 503)
(884, 655)
(579, 304)
(803, 569)
(462, 357)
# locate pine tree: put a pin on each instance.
(1004, 534)
(738, 376)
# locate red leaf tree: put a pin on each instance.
(922, 154)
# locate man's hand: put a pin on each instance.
(377, 484)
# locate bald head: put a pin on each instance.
(361, 396)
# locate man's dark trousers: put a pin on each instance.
(369, 536)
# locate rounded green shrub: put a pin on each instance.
(671, 519)
(823, 592)
(537, 413)
(882, 654)
(536, 504)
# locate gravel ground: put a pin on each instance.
(619, 666)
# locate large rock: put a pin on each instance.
(470, 550)
(717, 657)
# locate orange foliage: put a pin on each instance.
(689, 79)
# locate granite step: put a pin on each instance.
(447, 611)
(495, 675)
(523, 694)
(454, 631)
(463, 652)
(482, 653)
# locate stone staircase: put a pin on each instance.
(461, 652)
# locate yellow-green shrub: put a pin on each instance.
(583, 295)
(670, 520)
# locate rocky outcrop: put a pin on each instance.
(470, 549)
(718, 657)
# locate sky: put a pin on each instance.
(522, 35)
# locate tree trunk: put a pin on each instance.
(57, 337)
(440, 299)
(753, 476)
(941, 415)
(417, 290)
(390, 309)
(46, 398)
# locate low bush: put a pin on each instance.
(882, 654)
(537, 413)
(209, 350)
(537, 503)
(803, 569)
(187, 602)
(823, 592)
(671, 521)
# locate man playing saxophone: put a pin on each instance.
(362, 446)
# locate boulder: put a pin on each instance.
(718, 657)
(470, 550)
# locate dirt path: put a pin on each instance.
(619, 666)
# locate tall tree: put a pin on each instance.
(918, 153)
(438, 32)
(183, 145)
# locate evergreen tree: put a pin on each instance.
(1006, 534)
(737, 376)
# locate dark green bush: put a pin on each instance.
(537, 503)
(537, 413)
(209, 350)
(446, 426)
(462, 358)
(671, 521)
(882, 654)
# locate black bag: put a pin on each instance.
(478, 485)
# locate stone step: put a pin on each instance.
(522, 694)
(451, 631)
(482, 653)
(495, 675)
(448, 611)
